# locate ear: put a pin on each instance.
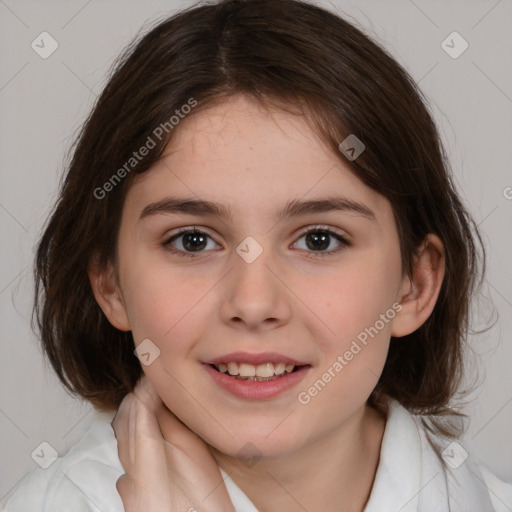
(419, 292)
(108, 295)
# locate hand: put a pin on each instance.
(176, 474)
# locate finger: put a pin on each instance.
(120, 422)
(145, 486)
(145, 391)
(125, 424)
(145, 444)
(122, 429)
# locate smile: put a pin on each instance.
(259, 381)
(255, 373)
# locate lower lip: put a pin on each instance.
(257, 390)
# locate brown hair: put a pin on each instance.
(296, 56)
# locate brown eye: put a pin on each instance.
(187, 242)
(319, 240)
(193, 241)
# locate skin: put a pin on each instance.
(288, 300)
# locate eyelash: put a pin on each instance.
(314, 229)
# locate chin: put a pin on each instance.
(254, 443)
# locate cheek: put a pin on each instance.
(352, 326)
(170, 308)
(351, 298)
(167, 309)
(359, 313)
(160, 301)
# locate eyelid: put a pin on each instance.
(188, 229)
(324, 227)
(302, 231)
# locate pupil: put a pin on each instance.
(318, 242)
(195, 239)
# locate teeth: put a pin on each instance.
(233, 368)
(247, 370)
(264, 370)
(279, 368)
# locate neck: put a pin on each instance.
(334, 473)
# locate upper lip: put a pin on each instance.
(255, 359)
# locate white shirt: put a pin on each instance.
(411, 476)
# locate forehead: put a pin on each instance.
(251, 159)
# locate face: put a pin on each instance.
(313, 289)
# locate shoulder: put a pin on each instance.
(422, 471)
(466, 481)
(84, 477)
(500, 491)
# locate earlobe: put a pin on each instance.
(107, 295)
(419, 291)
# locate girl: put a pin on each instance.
(259, 263)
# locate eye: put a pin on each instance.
(192, 241)
(319, 238)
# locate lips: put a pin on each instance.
(256, 359)
(257, 388)
(256, 376)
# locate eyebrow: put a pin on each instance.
(293, 208)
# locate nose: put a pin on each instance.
(255, 296)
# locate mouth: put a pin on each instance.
(256, 376)
(256, 373)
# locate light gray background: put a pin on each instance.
(43, 102)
